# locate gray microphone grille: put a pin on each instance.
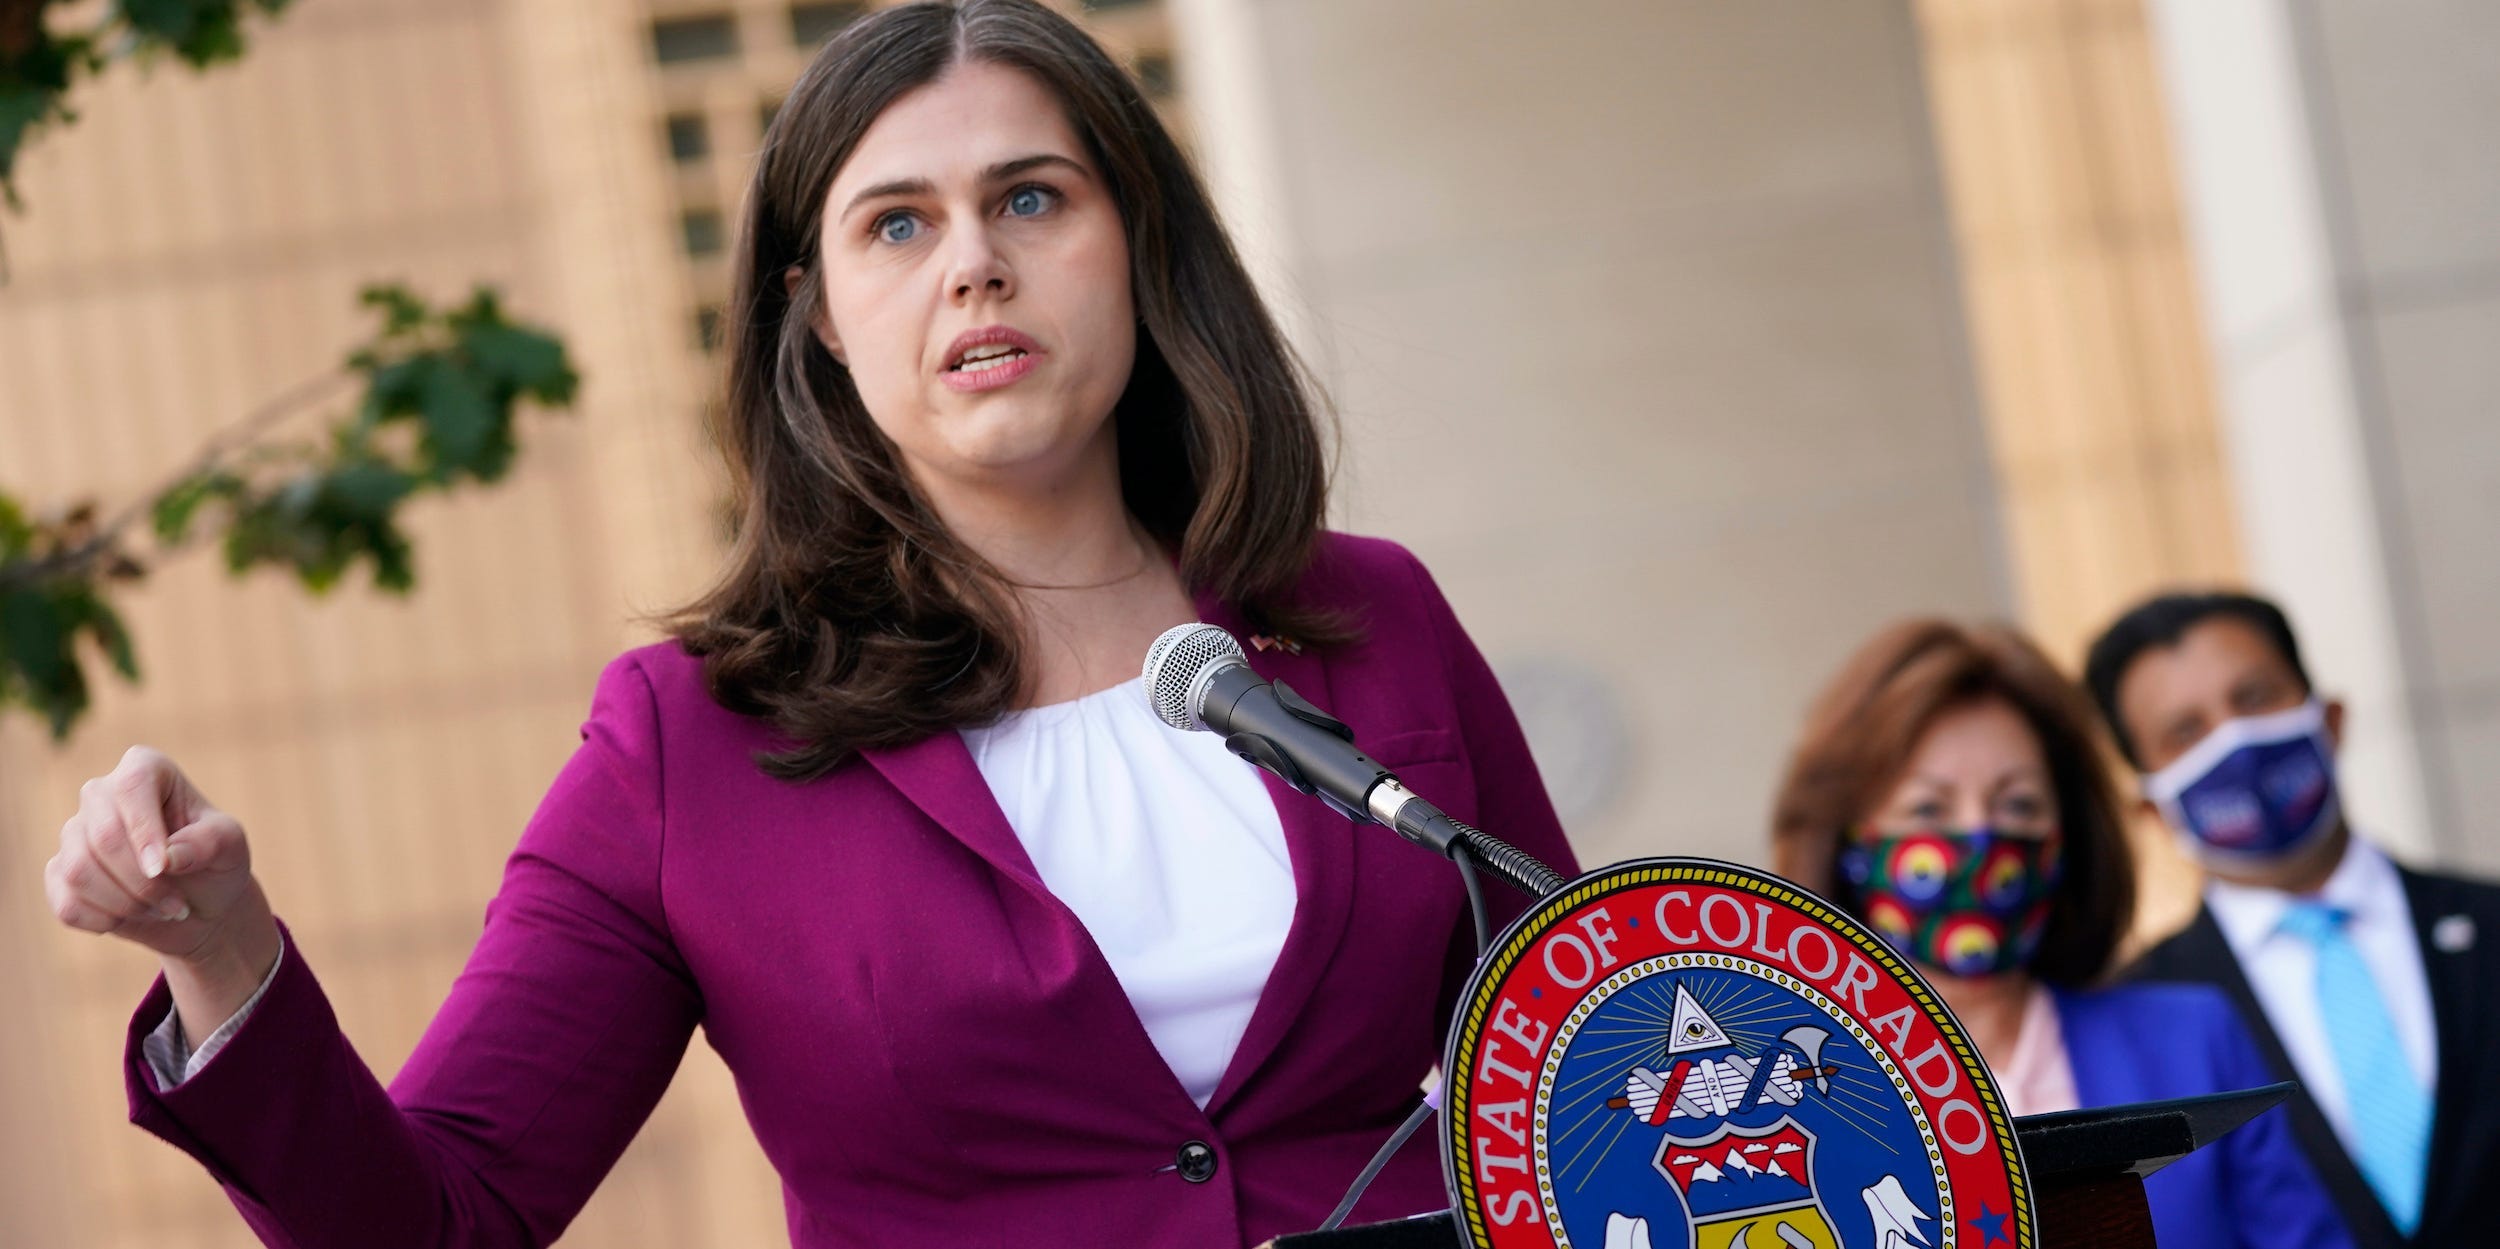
(1175, 665)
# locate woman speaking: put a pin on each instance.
(995, 957)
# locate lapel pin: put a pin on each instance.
(1278, 641)
(2453, 934)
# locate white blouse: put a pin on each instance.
(1168, 849)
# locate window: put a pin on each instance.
(764, 114)
(1154, 74)
(812, 24)
(688, 140)
(707, 327)
(682, 39)
(703, 231)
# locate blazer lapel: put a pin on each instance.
(1320, 843)
(2455, 1002)
(937, 774)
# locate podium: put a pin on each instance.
(2086, 1167)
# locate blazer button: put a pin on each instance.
(1197, 1162)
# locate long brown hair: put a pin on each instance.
(848, 615)
(1861, 734)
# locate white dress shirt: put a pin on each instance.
(1168, 849)
(2283, 970)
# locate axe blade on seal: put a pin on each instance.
(1809, 1041)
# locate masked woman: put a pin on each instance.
(1949, 792)
(994, 955)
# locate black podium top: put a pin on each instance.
(2068, 1147)
(2143, 1137)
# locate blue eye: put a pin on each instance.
(897, 227)
(1029, 201)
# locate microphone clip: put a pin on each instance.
(1302, 710)
(1266, 754)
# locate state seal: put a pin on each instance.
(1675, 1052)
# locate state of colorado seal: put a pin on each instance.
(1676, 1052)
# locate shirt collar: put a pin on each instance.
(2364, 885)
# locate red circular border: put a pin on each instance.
(1502, 969)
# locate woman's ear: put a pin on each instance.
(817, 319)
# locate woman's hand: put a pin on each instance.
(149, 860)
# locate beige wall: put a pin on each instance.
(1643, 323)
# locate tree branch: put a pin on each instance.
(76, 560)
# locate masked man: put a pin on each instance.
(2376, 986)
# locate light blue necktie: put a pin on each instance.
(2391, 1111)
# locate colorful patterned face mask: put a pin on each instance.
(1972, 903)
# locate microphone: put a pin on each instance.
(1198, 678)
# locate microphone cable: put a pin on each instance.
(1424, 1110)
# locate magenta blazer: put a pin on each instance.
(930, 1048)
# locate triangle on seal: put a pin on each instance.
(1692, 1028)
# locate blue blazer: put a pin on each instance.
(2146, 1042)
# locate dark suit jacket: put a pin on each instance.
(2465, 1001)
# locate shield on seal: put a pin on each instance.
(1749, 1188)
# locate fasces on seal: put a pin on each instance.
(1681, 1052)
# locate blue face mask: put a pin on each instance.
(2257, 789)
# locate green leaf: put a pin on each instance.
(367, 490)
(461, 420)
(394, 560)
(521, 360)
(15, 533)
(175, 509)
(79, 607)
(63, 701)
(109, 632)
(202, 32)
(22, 108)
(402, 311)
(271, 530)
(32, 636)
(36, 659)
(34, 90)
(397, 390)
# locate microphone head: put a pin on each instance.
(1177, 668)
